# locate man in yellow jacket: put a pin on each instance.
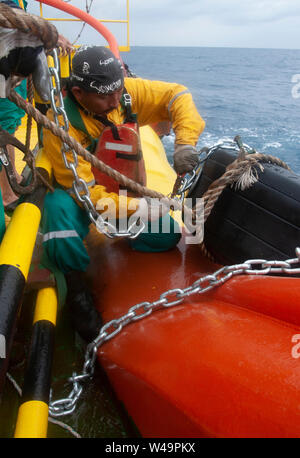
(95, 93)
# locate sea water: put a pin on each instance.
(254, 93)
(249, 92)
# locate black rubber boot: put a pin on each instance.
(84, 316)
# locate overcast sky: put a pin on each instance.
(231, 23)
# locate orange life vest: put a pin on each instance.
(123, 153)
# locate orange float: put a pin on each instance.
(224, 363)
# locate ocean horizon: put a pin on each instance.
(251, 92)
(212, 47)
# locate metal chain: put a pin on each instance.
(79, 186)
(51, 420)
(167, 299)
(189, 180)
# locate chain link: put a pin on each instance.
(167, 299)
(189, 180)
(79, 186)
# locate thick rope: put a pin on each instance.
(14, 18)
(30, 96)
(97, 163)
(78, 148)
(241, 166)
(234, 173)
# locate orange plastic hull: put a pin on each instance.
(221, 364)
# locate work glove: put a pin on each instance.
(185, 158)
(22, 54)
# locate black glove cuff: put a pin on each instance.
(27, 60)
(20, 61)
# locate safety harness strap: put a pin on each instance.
(74, 117)
(76, 120)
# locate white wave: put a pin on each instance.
(272, 145)
(212, 140)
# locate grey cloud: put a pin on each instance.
(221, 11)
(250, 23)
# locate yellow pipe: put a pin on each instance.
(19, 239)
(127, 11)
(124, 48)
(32, 420)
(57, 19)
(46, 305)
(43, 161)
(64, 66)
(112, 21)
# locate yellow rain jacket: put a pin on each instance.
(152, 101)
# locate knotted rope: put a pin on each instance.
(243, 166)
(243, 173)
